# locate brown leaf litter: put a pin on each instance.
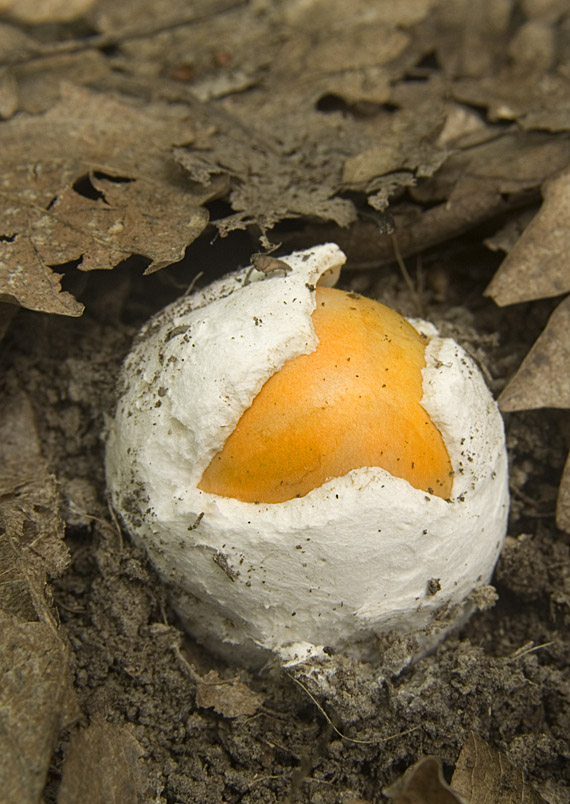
(482, 775)
(103, 764)
(37, 699)
(536, 267)
(90, 181)
(422, 129)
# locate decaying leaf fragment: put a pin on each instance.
(36, 697)
(103, 766)
(423, 783)
(266, 186)
(228, 697)
(101, 187)
(483, 775)
(31, 530)
(34, 704)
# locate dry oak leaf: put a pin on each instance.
(409, 143)
(267, 184)
(541, 103)
(474, 185)
(543, 381)
(121, 151)
(537, 265)
(283, 152)
(483, 775)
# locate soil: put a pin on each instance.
(505, 676)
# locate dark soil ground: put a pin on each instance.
(505, 676)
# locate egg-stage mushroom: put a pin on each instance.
(305, 468)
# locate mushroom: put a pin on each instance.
(306, 468)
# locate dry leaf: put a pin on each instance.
(470, 38)
(506, 237)
(103, 766)
(543, 379)
(120, 152)
(14, 43)
(40, 12)
(268, 186)
(536, 104)
(484, 775)
(423, 783)
(537, 265)
(31, 540)
(563, 501)
(316, 125)
(36, 698)
(473, 186)
(408, 144)
(34, 70)
(35, 694)
(8, 93)
(38, 80)
(145, 17)
(229, 698)
(288, 147)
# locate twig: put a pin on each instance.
(407, 278)
(530, 647)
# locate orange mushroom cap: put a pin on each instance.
(353, 402)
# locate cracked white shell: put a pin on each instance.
(352, 559)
